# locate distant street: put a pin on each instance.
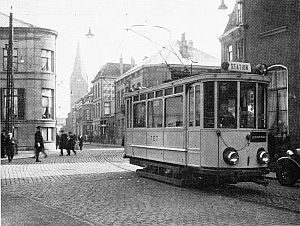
(99, 187)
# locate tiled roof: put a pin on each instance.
(111, 70)
(4, 21)
(232, 22)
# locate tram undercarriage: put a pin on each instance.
(188, 176)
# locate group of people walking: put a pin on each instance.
(68, 142)
(63, 141)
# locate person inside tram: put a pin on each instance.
(226, 118)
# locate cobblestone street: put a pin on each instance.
(99, 187)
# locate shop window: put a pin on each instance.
(19, 103)
(47, 133)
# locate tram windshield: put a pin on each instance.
(227, 93)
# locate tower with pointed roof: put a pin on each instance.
(34, 79)
(78, 84)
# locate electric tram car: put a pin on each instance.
(208, 127)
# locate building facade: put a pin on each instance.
(267, 34)
(34, 79)
(84, 114)
(104, 101)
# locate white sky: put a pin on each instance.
(200, 20)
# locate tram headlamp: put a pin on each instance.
(289, 152)
(231, 156)
(262, 156)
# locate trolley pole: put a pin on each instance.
(10, 81)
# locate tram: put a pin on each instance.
(208, 127)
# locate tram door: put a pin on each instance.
(193, 124)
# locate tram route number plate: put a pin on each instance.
(258, 137)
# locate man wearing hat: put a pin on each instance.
(38, 144)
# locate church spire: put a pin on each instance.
(78, 83)
(77, 69)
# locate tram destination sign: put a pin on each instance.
(239, 66)
(258, 136)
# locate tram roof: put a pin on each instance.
(223, 76)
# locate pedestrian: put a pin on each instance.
(57, 141)
(38, 144)
(80, 139)
(63, 143)
(71, 143)
(3, 144)
(9, 146)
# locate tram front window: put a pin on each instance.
(247, 103)
(227, 96)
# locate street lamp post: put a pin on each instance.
(10, 81)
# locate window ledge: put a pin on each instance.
(273, 32)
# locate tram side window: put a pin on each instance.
(155, 113)
(139, 115)
(247, 103)
(129, 110)
(197, 102)
(209, 91)
(174, 111)
(227, 96)
(191, 106)
(261, 111)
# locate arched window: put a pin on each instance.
(278, 99)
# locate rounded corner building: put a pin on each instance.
(33, 80)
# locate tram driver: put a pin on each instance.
(225, 117)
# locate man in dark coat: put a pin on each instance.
(63, 143)
(38, 143)
(71, 143)
(9, 146)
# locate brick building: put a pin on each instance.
(263, 32)
(34, 77)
